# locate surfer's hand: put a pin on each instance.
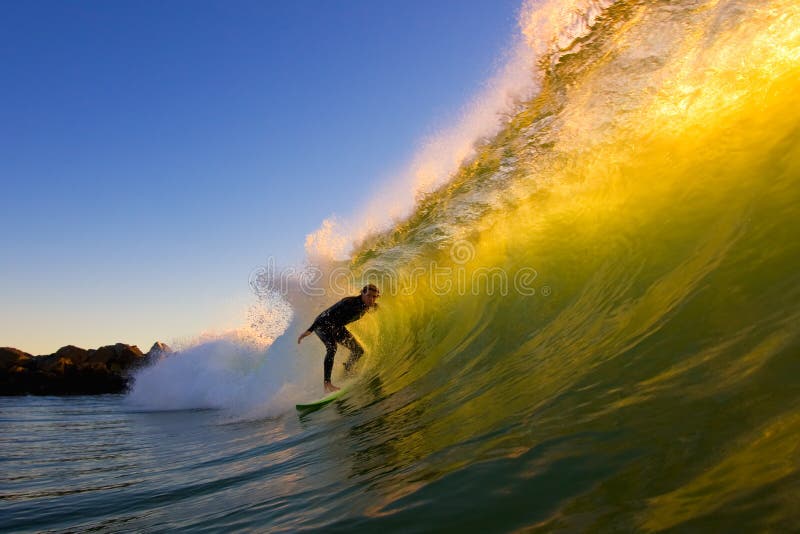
(304, 334)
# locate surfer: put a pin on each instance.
(330, 328)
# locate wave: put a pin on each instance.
(605, 286)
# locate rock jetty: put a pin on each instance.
(74, 371)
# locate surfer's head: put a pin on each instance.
(370, 294)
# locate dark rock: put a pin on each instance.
(116, 357)
(52, 363)
(10, 357)
(72, 370)
(76, 354)
(158, 349)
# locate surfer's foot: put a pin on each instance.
(330, 388)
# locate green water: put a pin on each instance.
(649, 369)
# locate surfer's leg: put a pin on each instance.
(356, 350)
(330, 346)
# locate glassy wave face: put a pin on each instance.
(595, 323)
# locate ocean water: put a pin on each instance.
(594, 325)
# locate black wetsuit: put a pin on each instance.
(330, 328)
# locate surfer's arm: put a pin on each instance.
(328, 318)
(315, 324)
(304, 334)
(311, 328)
(324, 317)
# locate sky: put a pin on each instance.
(153, 154)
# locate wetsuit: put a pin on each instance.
(330, 328)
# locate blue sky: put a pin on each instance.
(152, 154)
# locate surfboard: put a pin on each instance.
(317, 404)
